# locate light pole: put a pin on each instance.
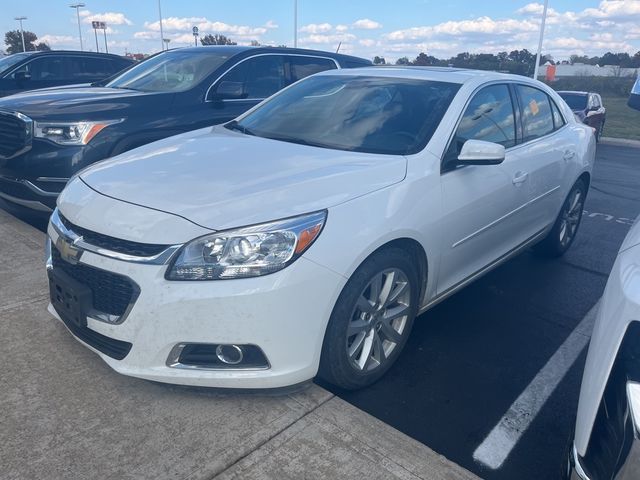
(295, 23)
(166, 42)
(78, 6)
(544, 19)
(161, 33)
(20, 19)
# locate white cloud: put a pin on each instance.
(366, 24)
(333, 38)
(111, 18)
(57, 40)
(342, 28)
(367, 42)
(315, 28)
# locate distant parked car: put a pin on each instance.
(47, 136)
(306, 235)
(33, 70)
(634, 98)
(588, 107)
(607, 435)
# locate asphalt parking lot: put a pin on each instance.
(470, 358)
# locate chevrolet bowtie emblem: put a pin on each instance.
(69, 250)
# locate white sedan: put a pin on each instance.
(304, 237)
(607, 435)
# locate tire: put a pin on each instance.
(565, 228)
(364, 338)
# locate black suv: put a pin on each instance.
(47, 136)
(33, 70)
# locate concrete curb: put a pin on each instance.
(65, 414)
(622, 142)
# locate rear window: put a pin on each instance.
(575, 101)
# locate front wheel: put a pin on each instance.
(371, 320)
(565, 228)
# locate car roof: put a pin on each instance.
(238, 49)
(442, 74)
(71, 52)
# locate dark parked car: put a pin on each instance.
(588, 108)
(634, 98)
(47, 136)
(33, 70)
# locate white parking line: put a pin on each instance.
(505, 435)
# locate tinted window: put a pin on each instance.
(172, 71)
(489, 117)
(575, 101)
(304, 66)
(90, 68)
(537, 120)
(9, 61)
(364, 114)
(45, 69)
(257, 77)
(558, 119)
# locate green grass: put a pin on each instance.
(622, 121)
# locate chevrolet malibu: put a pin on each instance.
(305, 236)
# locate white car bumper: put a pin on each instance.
(285, 314)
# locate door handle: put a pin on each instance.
(569, 154)
(520, 177)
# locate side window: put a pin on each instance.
(558, 119)
(489, 117)
(46, 69)
(255, 78)
(537, 120)
(304, 66)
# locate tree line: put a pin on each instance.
(520, 62)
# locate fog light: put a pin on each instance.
(212, 356)
(229, 354)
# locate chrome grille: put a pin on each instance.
(15, 133)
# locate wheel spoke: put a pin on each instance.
(378, 350)
(399, 289)
(364, 304)
(356, 326)
(575, 202)
(389, 332)
(395, 312)
(367, 347)
(375, 288)
(356, 345)
(387, 286)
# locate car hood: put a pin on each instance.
(83, 100)
(633, 237)
(221, 179)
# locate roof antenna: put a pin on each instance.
(338, 49)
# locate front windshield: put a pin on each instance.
(394, 116)
(173, 71)
(575, 101)
(636, 87)
(7, 62)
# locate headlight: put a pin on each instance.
(71, 133)
(247, 252)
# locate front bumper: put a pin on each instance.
(285, 314)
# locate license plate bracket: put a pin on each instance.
(71, 299)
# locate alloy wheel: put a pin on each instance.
(571, 217)
(379, 320)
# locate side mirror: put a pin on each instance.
(21, 76)
(479, 152)
(229, 91)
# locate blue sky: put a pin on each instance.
(365, 27)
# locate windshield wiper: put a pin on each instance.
(234, 125)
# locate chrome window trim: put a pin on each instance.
(206, 95)
(176, 351)
(32, 204)
(52, 179)
(161, 258)
(515, 105)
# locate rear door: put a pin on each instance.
(545, 150)
(481, 202)
(42, 72)
(301, 66)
